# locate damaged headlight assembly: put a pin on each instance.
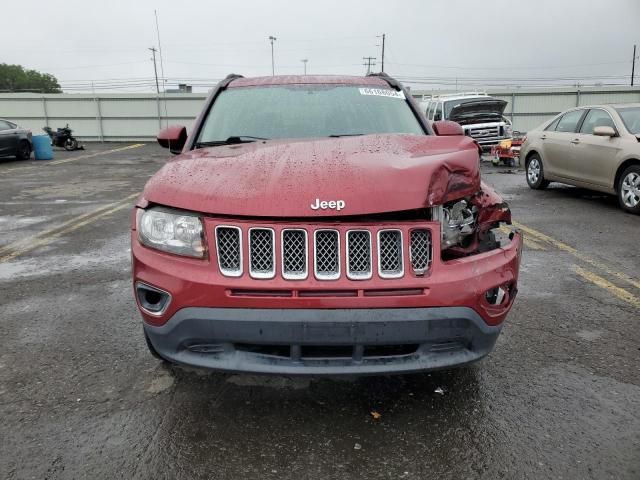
(180, 233)
(458, 222)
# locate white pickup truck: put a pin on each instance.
(480, 115)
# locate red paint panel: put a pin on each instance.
(371, 174)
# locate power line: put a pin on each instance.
(516, 79)
(155, 13)
(516, 67)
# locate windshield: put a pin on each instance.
(631, 118)
(300, 111)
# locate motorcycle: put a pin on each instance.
(62, 138)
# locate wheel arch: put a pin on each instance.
(23, 142)
(623, 166)
(530, 154)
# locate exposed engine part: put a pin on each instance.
(458, 222)
(488, 241)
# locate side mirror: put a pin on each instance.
(604, 131)
(173, 138)
(447, 128)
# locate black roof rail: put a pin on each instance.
(390, 80)
(228, 79)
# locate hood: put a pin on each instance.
(481, 107)
(362, 175)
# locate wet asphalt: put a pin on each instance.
(80, 397)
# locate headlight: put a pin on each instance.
(508, 131)
(458, 222)
(173, 232)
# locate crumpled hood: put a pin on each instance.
(478, 108)
(370, 174)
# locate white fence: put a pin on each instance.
(107, 117)
(122, 117)
(529, 108)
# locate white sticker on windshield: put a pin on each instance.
(382, 92)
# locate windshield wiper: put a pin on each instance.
(234, 139)
(346, 135)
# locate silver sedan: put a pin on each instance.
(595, 147)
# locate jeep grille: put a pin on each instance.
(390, 261)
(358, 254)
(327, 254)
(420, 250)
(302, 248)
(228, 240)
(261, 253)
(294, 254)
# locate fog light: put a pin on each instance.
(496, 296)
(151, 299)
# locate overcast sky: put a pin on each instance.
(439, 41)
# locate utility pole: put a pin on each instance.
(155, 69)
(273, 68)
(305, 60)
(369, 63)
(383, 36)
(633, 65)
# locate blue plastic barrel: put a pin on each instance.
(42, 147)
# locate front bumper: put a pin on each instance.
(324, 341)
(311, 327)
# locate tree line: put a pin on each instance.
(15, 78)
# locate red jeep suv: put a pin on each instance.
(321, 225)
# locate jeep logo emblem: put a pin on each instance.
(324, 204)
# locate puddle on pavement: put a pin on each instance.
(77, 189)
(590, 335)
(114, 253)
(15, 222)
(161, 383)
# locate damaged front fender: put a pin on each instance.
(491, 208)
(489, 211)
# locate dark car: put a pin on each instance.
(15, 141)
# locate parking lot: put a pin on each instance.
(80, 396)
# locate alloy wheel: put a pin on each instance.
(533, 171)
(630, 190)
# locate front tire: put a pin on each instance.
(629, 189)
(71, 144)
(24, 150)
(535, 173)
